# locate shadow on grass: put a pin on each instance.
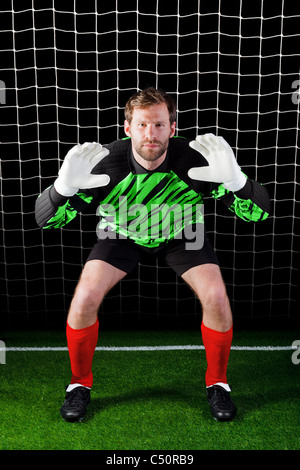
(248, 402)
(169, 397)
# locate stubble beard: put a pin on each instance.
(148, 154)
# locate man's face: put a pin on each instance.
(150, 131)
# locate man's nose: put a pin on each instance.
(150, 132)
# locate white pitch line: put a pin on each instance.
(150, 348)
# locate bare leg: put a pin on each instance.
(207, 282)
(96, 279)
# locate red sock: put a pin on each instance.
(82, 344)
(217, 348)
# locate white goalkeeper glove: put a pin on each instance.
(75, 172)
(222, 165)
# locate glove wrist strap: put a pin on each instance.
(236, 183)
(64, 190)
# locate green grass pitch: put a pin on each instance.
(150, 400)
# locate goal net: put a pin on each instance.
(67, 70)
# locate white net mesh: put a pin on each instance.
(67, 69)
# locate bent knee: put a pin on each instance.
(86, 299)
(215, 296)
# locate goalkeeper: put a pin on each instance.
(149, 168)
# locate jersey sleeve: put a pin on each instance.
(251, 203)
(52, 210)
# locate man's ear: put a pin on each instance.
(127, 128)
(173, 129)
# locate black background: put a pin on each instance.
(69, 68)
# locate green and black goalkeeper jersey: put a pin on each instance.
(150, 207)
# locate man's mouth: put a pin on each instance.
(151, 146)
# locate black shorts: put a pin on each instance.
(124, 254)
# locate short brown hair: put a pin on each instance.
(149, 97)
